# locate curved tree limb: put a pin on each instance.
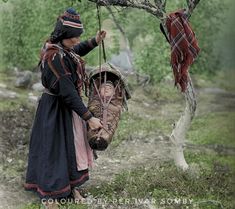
(145, 5)
(158, 9)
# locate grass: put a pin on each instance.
(132, 125)
(211, 186)
(213, 128)
(209, 182)
(67, 206)
(223, 79)
(6, 78)
(164, 91)
(22, 94)
(14, 104)
(167, 182)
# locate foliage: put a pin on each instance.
(208, 20)
(214, 122)
(210, 181)
(29, 26)
(150, 49)
(152, 52)
(166, 182)
(22, 38)
(132, 126)
(66, 206)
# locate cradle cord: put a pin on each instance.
(99, 21)
(104, 57)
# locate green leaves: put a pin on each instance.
(26, 25)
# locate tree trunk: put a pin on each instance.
(178, 134)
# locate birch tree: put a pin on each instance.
(158, 9)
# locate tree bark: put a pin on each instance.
(178, 134)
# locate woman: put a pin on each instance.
(54, 170)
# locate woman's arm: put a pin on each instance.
(71, 98)
(85, 47)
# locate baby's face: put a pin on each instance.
(106, 90)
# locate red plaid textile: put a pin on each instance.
(184, 46)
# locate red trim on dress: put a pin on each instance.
(35, 186)
(65, 189)
(77, 180)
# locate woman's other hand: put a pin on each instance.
(94, 123)
(100, 35)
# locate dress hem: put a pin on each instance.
(64, 192)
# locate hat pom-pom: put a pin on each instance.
(72, 11)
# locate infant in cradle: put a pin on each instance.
(107, 89)
(111, 107)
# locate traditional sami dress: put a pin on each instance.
(52, 166)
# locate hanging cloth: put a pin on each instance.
(184, 46)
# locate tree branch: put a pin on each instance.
(191, 6)
(145, 5)
(161, 4)
(158, 9)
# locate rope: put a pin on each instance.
(104, 57)
(99, 22)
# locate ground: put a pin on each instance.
(138, 164)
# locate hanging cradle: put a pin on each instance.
(108, 95)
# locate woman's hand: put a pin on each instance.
(94, 123)
(100, 35)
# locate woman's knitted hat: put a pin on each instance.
(68, 25)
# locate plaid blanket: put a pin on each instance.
(184, 46)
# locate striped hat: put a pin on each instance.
(68, 25)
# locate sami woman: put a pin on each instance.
(59, 156)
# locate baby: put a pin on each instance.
(109, 111)
(107, 89)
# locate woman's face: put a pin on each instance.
(71, 42)
(75, 40)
